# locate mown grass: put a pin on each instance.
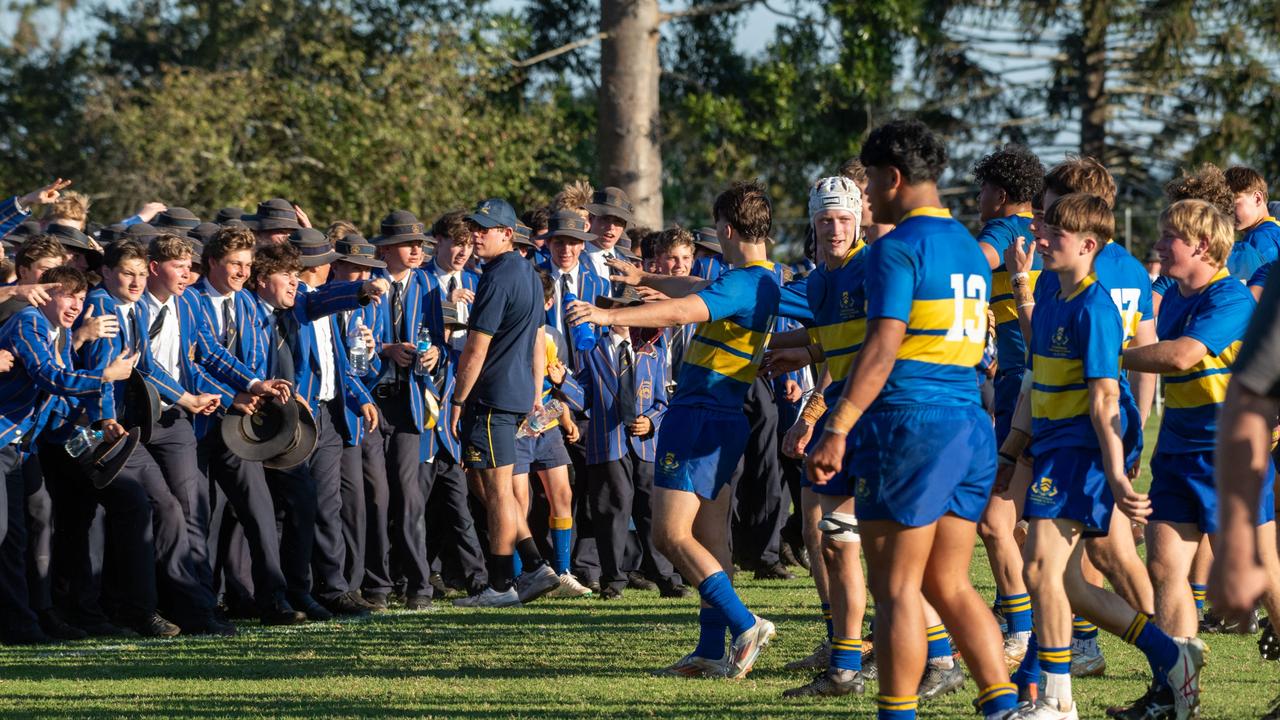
(555, 659)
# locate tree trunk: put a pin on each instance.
(628, 134)
(1096, 17)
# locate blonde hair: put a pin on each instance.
(71, 206)
(673, 237)
(1084, 214)
(575, 196)
(169, 247)
(1196, 220)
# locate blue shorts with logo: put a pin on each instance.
(699, 449)
(1069, 483)
(542, 452)
(1183, 490)
(1007, 387)
(917, 463)
(488, 437)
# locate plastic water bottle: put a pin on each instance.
(424, 344)
(359, 355)
(84, 440)
(584, 336)
(536, 423)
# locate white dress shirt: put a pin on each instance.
(597, 256)
(575, 284)
(220, 306)
(324, 347)
(458, 337)
(166, 348)
(125, 311)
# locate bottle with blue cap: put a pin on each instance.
(84, 440)
(424, 344)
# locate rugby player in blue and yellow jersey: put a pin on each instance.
(1079, 475)
(1113, 556)
(924, 450)
(704, 432)
(1252, 216)
(1202, 323)
(1009, 179)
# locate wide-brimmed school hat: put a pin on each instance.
(204, 232)
(623, 248)
(24, 230)
(105, 462)
(112, 233)
(230, 216)
(612, 201)
(176, 220)
(73, 239)
(313, 247)
(494, 212)
(141, 405)
(301, 445)
(356, 250)
(629, 297)
(707, 239)
(399, 227)
(567, 223)
(523, 236)
(142, 232)
(273, 214)
(265, 434)
(449, 311)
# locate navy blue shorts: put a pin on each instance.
(1183, 491)
(699, 449)
(488, 437)
(842, 483)
(915, 464)
(543, 452)
(1069, 484)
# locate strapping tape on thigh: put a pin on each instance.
(840, 527)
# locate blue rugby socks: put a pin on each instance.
(717, 591)
(1028, 673)
(562, 542)
(1198, 592)
(712, 627)
(846, 654)
(1161, 651)
(997, 698)
(891, 707)
(1017, 612)
(939, 644)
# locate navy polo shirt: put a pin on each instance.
(508, 308)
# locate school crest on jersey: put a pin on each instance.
(472, 454)
(849, 307)
(861, 490)
(1058, 344)
(645, 391)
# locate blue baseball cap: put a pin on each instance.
(494, 212)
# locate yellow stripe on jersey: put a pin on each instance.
(1057, 372)
(840, 343)
(1002, 300)
(936, 212)
(727, 348)
(1206, 390)
(932, 334)
(1059, 391)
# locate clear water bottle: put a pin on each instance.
(424, 344)
(84, 440)
(584, 336)
(359, 354)
(536, 423)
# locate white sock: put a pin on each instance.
(1057, 686)
(945, 662)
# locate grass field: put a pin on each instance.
(555, 659)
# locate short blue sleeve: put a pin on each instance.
(1243, 261)
(998, 234)
(730, 295)
(1221, 318)
(1162, 285)
(1146, 304)
(794, 302)
(1259, 277)
(1101, 335)
(891, 279)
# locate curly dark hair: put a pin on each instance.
(1015, 170)
(909, 146)
(1207, 183)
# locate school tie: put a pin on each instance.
(134, 320)
(228, 324)
(397, 312)
(286, 336)
(158, 323)
(626, 383)
(453, 285)
(615, 288)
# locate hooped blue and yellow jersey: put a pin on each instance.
(1074, 338)
(1217, 317)
(725, 354)
(929, 273)
(1000, 233)
(1126, 282)
(1265, 238)
(838, 300)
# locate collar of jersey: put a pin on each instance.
(1222, 273)
(935, 212)
(759, 263)
(1024, 214)
(1086, 282)
(857, 248)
